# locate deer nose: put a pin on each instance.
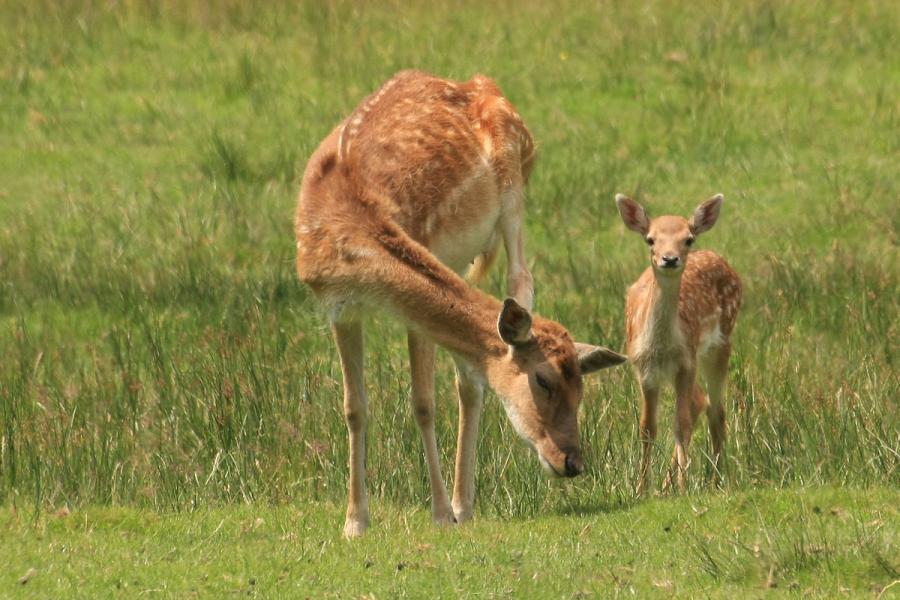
(669, 261)
(574, 464)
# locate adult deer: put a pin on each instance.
(422, 179)
(679, 317)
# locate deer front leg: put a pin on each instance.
(421, 362)
(349, 340)
(519, 283)
(649, 398)
(471, 398)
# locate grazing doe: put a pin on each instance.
(679, 316)
(424, 178)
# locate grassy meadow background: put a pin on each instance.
(160, 360)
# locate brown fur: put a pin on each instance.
(423, 177)
(679, 320)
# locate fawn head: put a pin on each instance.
(669, 237)
(539, 381)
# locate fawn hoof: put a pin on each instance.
(447, 520)
(463, 514)
(668, 486)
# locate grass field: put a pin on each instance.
(811, 543)
(163, 369)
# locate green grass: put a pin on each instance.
(809, 543)
(160, 355)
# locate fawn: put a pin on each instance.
(679, 316)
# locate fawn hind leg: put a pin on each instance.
(715, 371)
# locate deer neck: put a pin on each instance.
(431, 298)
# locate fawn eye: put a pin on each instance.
(689, 242)
(650, 241)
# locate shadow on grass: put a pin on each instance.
(588, 508)
(581, 507)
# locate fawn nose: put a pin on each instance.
(669, 261)
(574, 464)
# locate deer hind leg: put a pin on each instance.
(421, 362)
(649, 399)
(689, 403)
(715, 371)
(519, 282)
(471, 398)
(349, 340)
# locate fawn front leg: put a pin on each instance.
(689, 403)
(649, 398)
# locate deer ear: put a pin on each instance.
(706, 215)
(633, 214)
(593, 358)
(514, 323)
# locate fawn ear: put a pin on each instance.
(514, 323)
(706, 215)
(593, 358)
(633, 214)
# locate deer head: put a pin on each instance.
(539, 380)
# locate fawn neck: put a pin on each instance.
(661, 308)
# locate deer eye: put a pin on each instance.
(650, 241)
(689, 242)
(542, 381)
